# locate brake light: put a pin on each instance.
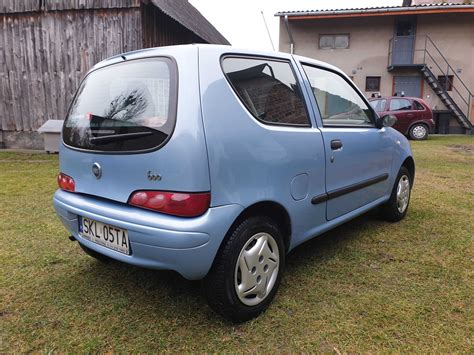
(175, 203)
(66, 183)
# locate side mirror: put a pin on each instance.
(386, 121)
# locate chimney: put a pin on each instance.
(406, 3)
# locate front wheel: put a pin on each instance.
(247, 271)
(396, 207)
(419, 132)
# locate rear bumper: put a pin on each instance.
(157, 241)
(432, 126)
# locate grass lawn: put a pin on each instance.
(368, 286)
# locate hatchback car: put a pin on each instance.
(414, 116)
(216, 162)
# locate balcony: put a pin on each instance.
(420, 53)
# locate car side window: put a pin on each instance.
(339, 104)
(268, 89)
(418, 106)
(400, 105)
(378, 105)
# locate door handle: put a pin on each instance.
(336, 144)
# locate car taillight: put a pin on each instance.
(66, 182)
(175, 203)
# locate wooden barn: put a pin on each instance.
(47, 46)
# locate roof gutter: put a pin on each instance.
(292, 44)
(376, 11)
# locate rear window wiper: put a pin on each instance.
(119, 137)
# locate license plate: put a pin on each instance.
(111, 237)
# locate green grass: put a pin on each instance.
(368, 286)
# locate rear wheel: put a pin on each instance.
(396, 207)
(418, 132)
(247, 271)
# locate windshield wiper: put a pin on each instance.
(119, 137)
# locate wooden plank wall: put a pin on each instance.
(11, 6)
(50, 5)
(44, 55)
(14, 6)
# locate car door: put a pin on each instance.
(402, 109)
(358, 155)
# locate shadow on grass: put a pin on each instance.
(163, 294)
(327, 245)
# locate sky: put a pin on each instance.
(241, 22)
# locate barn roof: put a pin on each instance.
(179, 10)
(188, 16)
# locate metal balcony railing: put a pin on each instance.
(422, 52)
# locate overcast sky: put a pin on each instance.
(240, 21)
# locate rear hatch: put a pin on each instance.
(129, 128)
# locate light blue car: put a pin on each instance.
(216, 162)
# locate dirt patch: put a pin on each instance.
(462, 148)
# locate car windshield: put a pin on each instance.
(124, 107)
(378, 105)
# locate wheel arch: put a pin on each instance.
(271, 209)
(409, 163)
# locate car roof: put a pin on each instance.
(217, 49)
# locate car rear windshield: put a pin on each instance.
(125, 107)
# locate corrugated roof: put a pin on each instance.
(375, 10)
(188, 16)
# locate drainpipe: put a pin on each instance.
(292, 45)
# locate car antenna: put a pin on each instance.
(268, 32)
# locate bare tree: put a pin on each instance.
(127, 106)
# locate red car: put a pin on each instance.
(414, 116)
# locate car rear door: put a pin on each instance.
(358, 155)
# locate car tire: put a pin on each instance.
(247, 270)
(395, 209)
(418, 132)
(102, 258)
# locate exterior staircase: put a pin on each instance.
(420, 53)
(445, 97)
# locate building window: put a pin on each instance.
(446, 82)
(336, 41)
(372, 83)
